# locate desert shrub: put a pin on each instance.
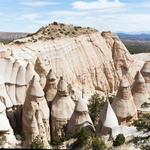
(120, 139)
(96, 104)
(70, 90)
(55, 23)
(143, 123)
(145, 105)
(83, 135)
(98, 144)
(37, 143)
(57, 142)
(2, 139)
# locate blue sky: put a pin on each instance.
(114, 15)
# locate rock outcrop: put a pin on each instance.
(35, 114)
(62, 110)
(123, 104)
(139, 91)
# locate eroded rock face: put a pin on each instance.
(62, 109)
(123, 104)
(35, 114)
(95, 61)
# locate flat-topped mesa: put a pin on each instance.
(123, 104)
(146, 74)
(50, 87)
(139, 91)
(40, 69)
(108, 120)
(79, 119)
(61, 111)
(29, 72)
(35, 107)
(5, 129)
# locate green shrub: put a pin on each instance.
(145, 105)
(37, 143)
(98, 144)
(96, 104)
(143, 124)
(55, 23)
(83, 135)
(2, 139)
(57, 142)
(120, 139)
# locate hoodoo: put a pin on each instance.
(62, 110)
(35, 114)
(146, 74)
(123, 104)
(50, 87)
(108, 120)
(79, 119)
(139, 91)
(41, 70)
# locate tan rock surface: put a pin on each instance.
(93, 60)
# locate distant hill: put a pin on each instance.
(136, 43)
(134, 37)
(7, 37)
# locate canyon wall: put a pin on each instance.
(95, 61)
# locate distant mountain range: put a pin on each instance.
(143, 37)
(12, 35)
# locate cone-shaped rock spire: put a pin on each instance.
(35, 107)
(123, 104)
(50, 88)
(146, 74)
(139, 91)
(35, 88)
(79, 119)
(62, 109)
(108, 119)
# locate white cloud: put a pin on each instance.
(38, 3)
(67, 13)
(30, 16)
(99, 4)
